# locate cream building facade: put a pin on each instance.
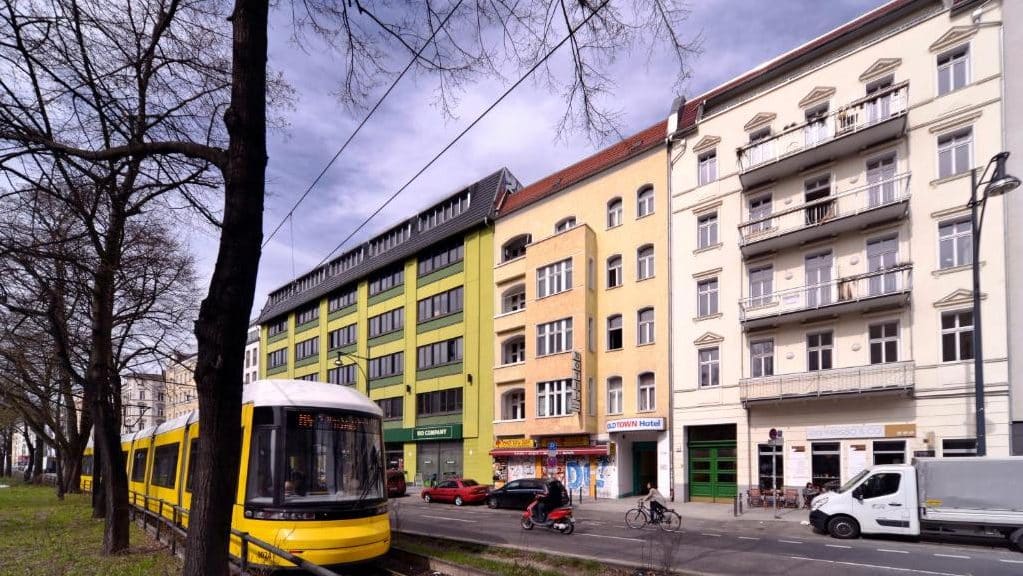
(180, 376)
(581, 327)
(143, 400)
(821, 254)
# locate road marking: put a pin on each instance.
(709, 534)
(620, 526)
(892, 551)
(893, 568)
(614, 537)
(1007, 561)
(748, 538)
(952, 556)
(837, 546)
(790, 541)
(594, 522)
(452, 519)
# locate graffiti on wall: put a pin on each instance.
(607, 477)
(578, 475)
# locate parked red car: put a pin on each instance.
(395, 483)
(459, 491)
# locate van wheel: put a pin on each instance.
(1016, 539)
(843, 528)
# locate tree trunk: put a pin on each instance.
(31, 455)
(224, 315)
(115, 485)
(37, 461)
(7, 466)
(99, 500)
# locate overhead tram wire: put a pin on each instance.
(417, 56)
(466, 130)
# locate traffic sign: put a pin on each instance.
(552, 462)
(552, 446)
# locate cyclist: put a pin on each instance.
(657, 502)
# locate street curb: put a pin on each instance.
(615, 564)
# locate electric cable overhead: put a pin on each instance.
(464, 131)
(418, 54)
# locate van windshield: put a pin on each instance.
(853, 481)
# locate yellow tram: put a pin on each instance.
(311, 479)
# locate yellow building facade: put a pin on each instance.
(581, 324)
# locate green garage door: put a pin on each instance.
(712, 471)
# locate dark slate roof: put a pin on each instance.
(481, 209)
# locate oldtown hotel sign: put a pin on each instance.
(633, 424)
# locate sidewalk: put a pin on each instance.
(722, 512)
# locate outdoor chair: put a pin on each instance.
(755, 498)
(791, 498)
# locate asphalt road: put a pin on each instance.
(739, 547)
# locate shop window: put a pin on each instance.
(889, 452)
(767, 481)
(826, 463)
(958, 447)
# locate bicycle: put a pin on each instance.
(669, 520)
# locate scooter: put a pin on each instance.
(559, 519)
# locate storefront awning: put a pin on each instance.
(580, 451)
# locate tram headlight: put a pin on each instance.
(279, 515)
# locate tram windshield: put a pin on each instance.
(328, 456)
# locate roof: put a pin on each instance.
(628, 148)
(796, 57)
(481, 208)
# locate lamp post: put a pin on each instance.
(337, 363)
(999, 183)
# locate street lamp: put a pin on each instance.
(340, 354)
(999, 183)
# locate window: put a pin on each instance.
(342, 299)
(819, 347)
(645, 326)
(614, 213)
(165, 465)
(707, 297)
(707, 165)
(645, 202)
(553, 398)
(957, 336)
(516, 247)
(310, 314)
(343, 336)
(278, 326)
(441, 402)
(443, 304)
(815, 193)
(138, 465)
(614, 332)
(390, 321)
(955, 242)
(707, 230)
(645, 262)
(614, 395)
(307, 348)
(766, 453)
(760, 149)
(759, 214)
(277, 358)
(958, 447)
(514, 299)
(878, 485)
(591, 335)
(953, 69)
(647, 392)
(710, 367)
(889, 452)
(554, 279)
(884, 342)
(761, 285)
(444, 211)
(342, 375)
(513, 405)
(386, 280)
(441, 257)
(439, 353)
(614, 271)
(193, 454)
(513, 351)
(394, 408)
(564, 225)
(389, 365)
(554, 337)
(955, 151)
(816, 129)
(761, 358)
(825, 462)
(314, 377)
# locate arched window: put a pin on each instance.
(515, 247)
(614, 212)
(564, 224)
(614, 395)
(645, 262)
(614, 271)
(513, 299)
(647, 387)
(645, 326)
(614, 332)
(513, 404)
(513, 350)
(645, 201)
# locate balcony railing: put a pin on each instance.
(822, 212)
(856, 117)
(881, 284)
(856, 380)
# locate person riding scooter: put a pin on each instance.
(550, 499)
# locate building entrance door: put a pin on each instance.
(438, 461)
(644, 466)
(712, 470)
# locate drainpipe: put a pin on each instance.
(677, 108)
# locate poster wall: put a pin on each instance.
(607, 477)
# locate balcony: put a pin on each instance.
(878, 378)
(841, 212)
(886, 288)
(878, 117)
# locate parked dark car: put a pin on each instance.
(395, 483)
(519, 493)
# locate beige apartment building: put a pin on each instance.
(821, 254)
(581, 326)
(143, 401)
(180, 377)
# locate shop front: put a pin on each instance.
(643, 456)
(436, 450)
(574, 460)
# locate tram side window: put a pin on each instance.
(138, 467)
(193, 453)
(165, 465)
(261, 469)
(87, 465)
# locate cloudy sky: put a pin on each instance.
(520, 134)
